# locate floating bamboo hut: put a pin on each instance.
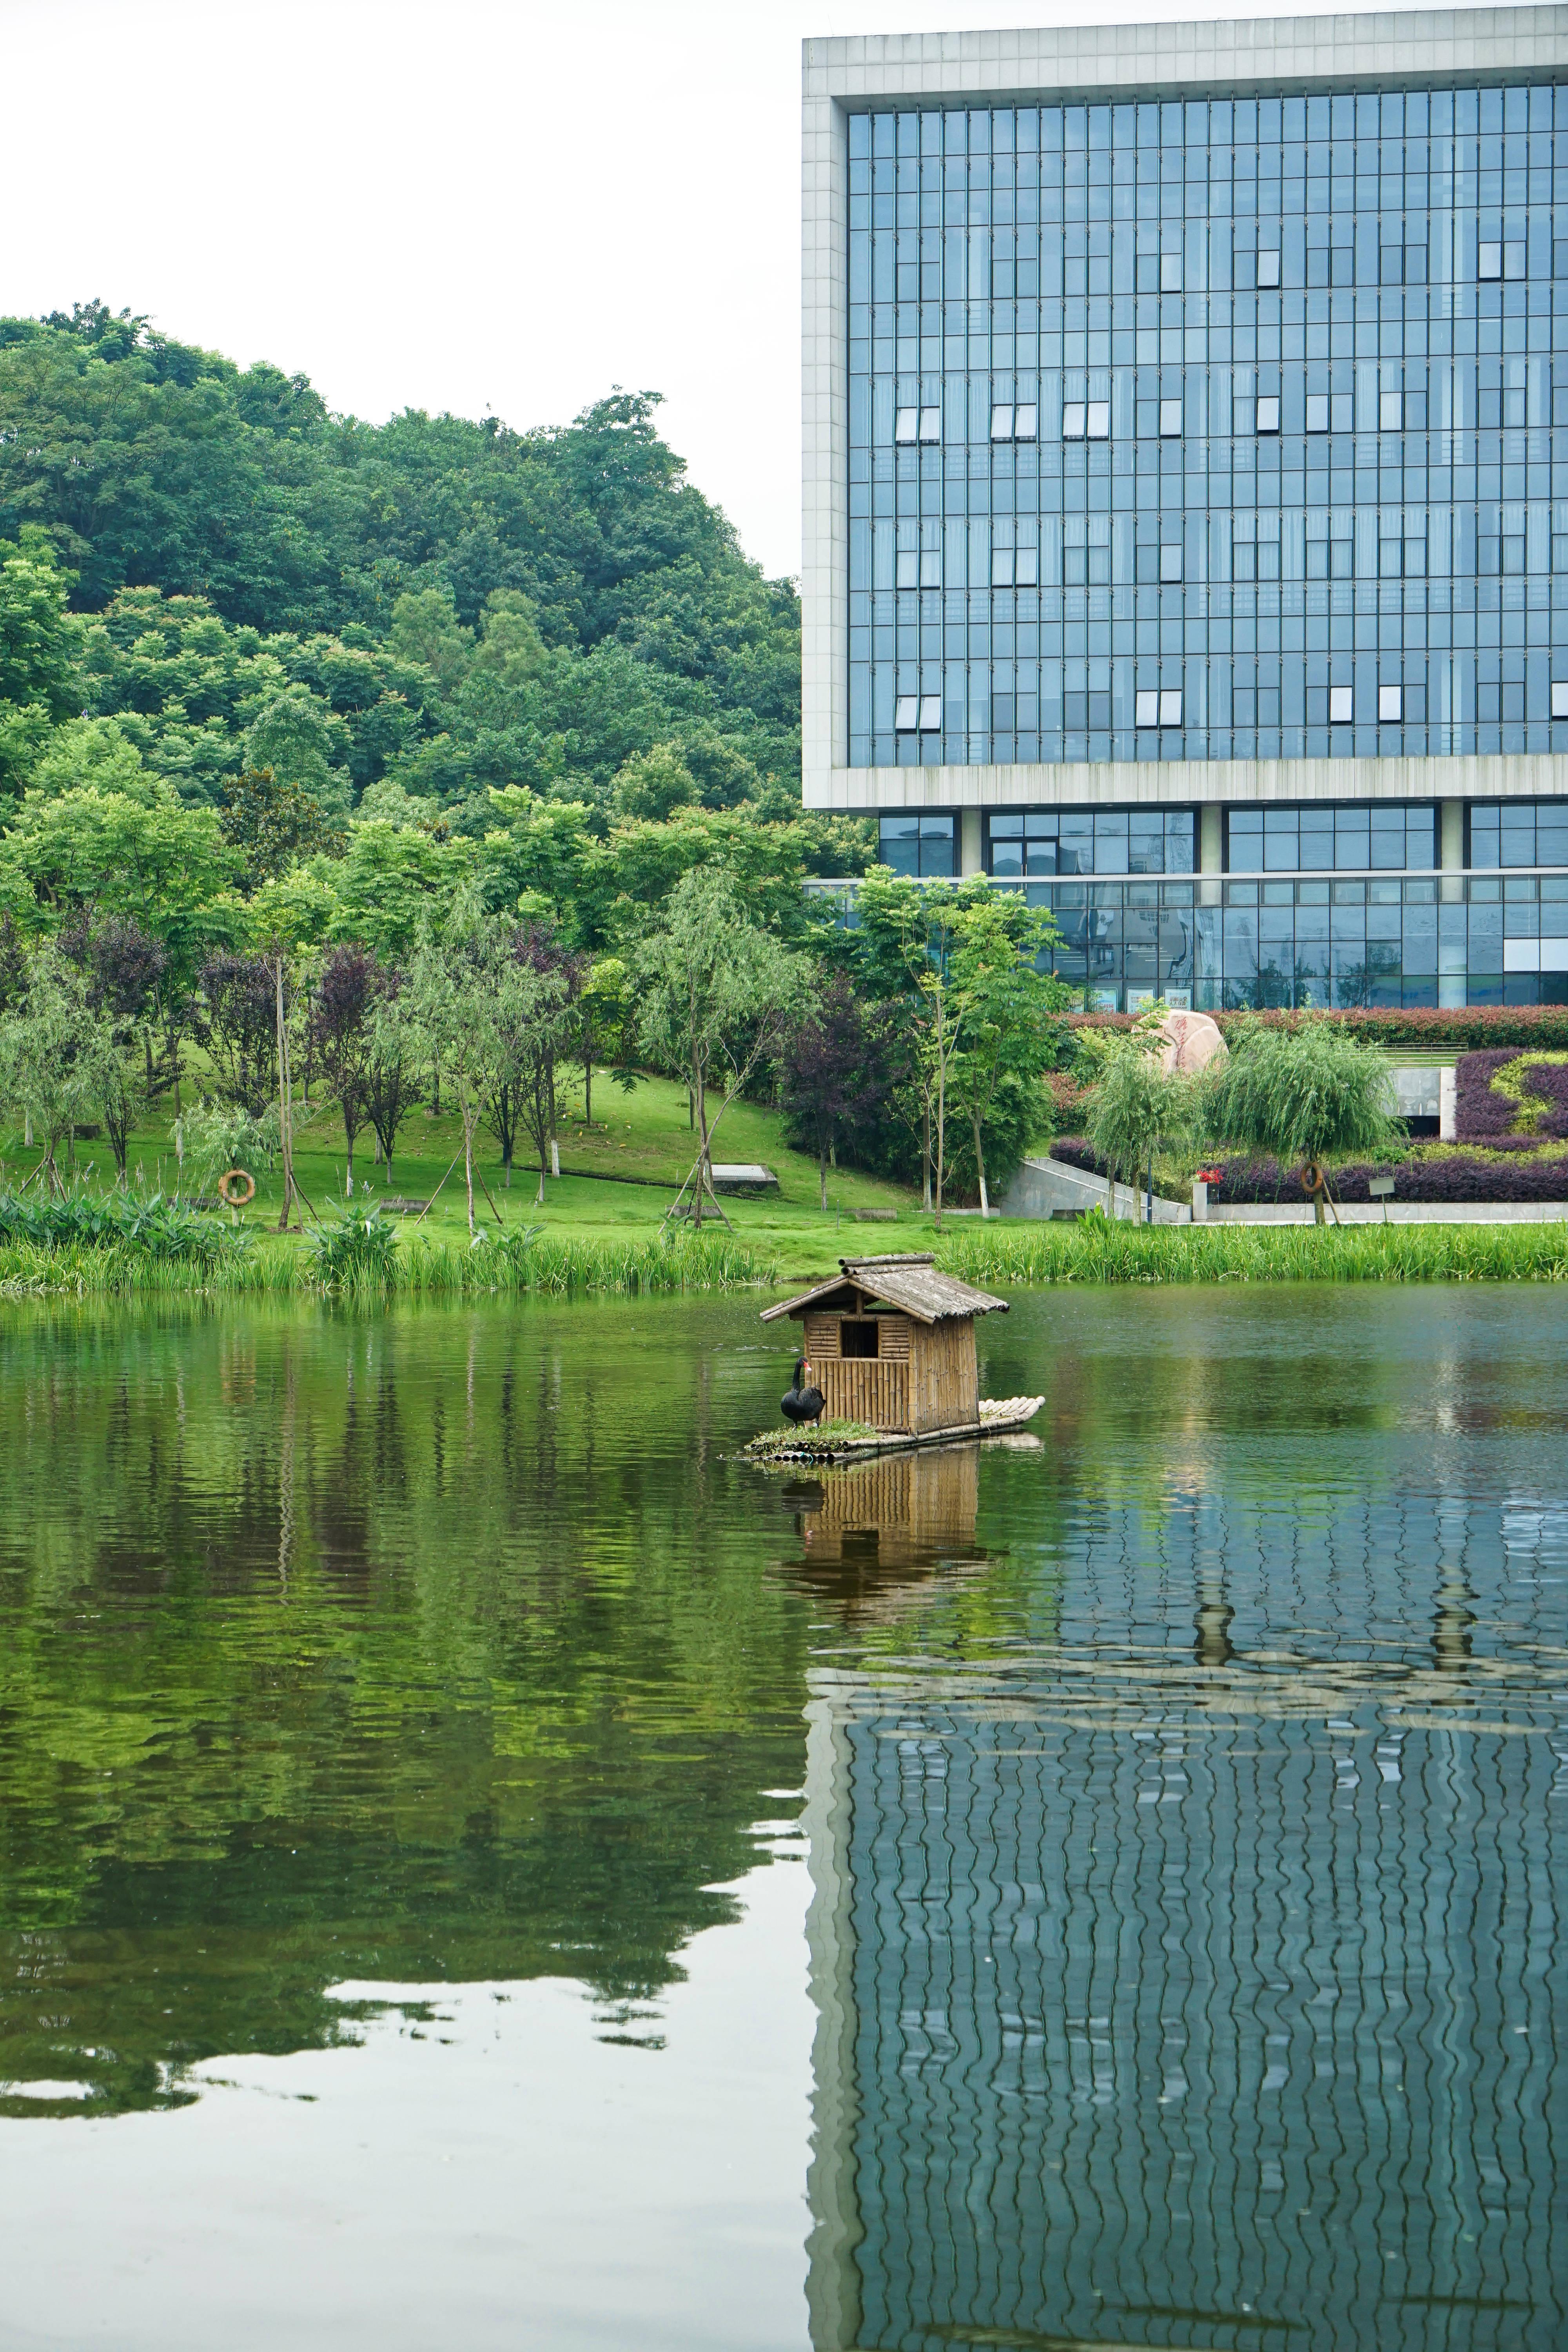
(891, 1343)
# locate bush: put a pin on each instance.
(1437, 1174)
(164, 1231)
(1504, 1096)
(356, 1251)
(1469, 1027)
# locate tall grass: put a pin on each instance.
(1101, 1251)
(419, 1268)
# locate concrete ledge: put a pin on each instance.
(1400, 1212)
(1043, 1187)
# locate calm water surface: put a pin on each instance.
(481, 1867)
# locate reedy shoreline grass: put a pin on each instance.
(1094, 1251)
(420, 1269)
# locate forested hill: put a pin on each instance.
(432, 606)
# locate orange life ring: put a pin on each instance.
(236, 1177)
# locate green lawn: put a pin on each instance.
(617, 1177)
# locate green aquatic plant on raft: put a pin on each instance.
(821, 1438)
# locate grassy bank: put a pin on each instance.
(1095, 1252)
(546, 1267)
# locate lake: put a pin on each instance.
(480, 1866)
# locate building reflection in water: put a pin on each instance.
(1193, 1991)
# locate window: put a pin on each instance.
(909, 567)
(1316, 412)
(1390, 412)
(930, 424)
(1099, 420)
(1416, 559)
(906, 714)
(1026, 568)
(930, 568)
(1340, 701)
(1170, 273)
(1268, 412)
(1341, 409)
(1389, 554)
(1170, 705)
(1488, 262)
(1170, 418)
(1391, 264)
(930, 714)
(1002, 421)
(1390, 705)
(1559, 699)
(1072, 420)
(1146, 709)
(1267, 268)
(1002, 567)
(1169, 564)
(906, 427)
(1026, 422)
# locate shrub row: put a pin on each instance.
(1469, 1027)
(1449, 1175)
(1103, 1250)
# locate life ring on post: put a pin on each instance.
(229, 1188)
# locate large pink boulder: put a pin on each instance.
(1189, 1041)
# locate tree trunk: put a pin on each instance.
(1149, 1217)
(539, 1196)
(700, 1100)
(587, 1090)
(1316, 1174)
(980, 1166)
(468, 1164)
(822, 1172)
(925, 1156)
(349, 1180)
(285, 1138)
(940, 1116)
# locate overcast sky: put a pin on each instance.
(453, 205)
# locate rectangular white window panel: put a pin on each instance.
(1390, 412)
(1170, 273)
(1099, 420)
(1342, 408)
(1268, 412)
(1170, 418)
(1170, 705)
(1026, 422)
(1339, 706)
(930, 424)
(1316, 412)
(1072, 420)
(1002, 421)
(930, 714)
(906, 713)
(1146, 709)
(1267, 268)
(1169, 564)
(1521, 955)
(906, 425)
(1554, 954)
(1488, 262)
(1001, 567)
(1559, 698)
(930, 568)
(1390, 705)
(1026, 568)
(909, 567)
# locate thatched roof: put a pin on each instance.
(908, 1281)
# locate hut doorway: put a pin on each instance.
(858, 1338)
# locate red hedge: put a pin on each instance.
(1473, 1027)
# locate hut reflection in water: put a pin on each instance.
(875, 1536)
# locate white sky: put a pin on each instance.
(453, 205)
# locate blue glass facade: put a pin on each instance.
(1220, 430)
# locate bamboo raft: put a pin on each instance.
(999, 1417)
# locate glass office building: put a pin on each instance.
(1198, 527)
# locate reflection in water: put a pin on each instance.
(1184, 1798)
(1213, 2010)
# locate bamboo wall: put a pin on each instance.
(864, 1388)
(944, 1377)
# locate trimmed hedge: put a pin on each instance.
(1469, 1027)
(1448, 1175)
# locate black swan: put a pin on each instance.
(800, 1403)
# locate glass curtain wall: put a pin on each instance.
(1209, 430)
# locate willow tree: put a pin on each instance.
(1136, 1110)
(1307, 1095)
